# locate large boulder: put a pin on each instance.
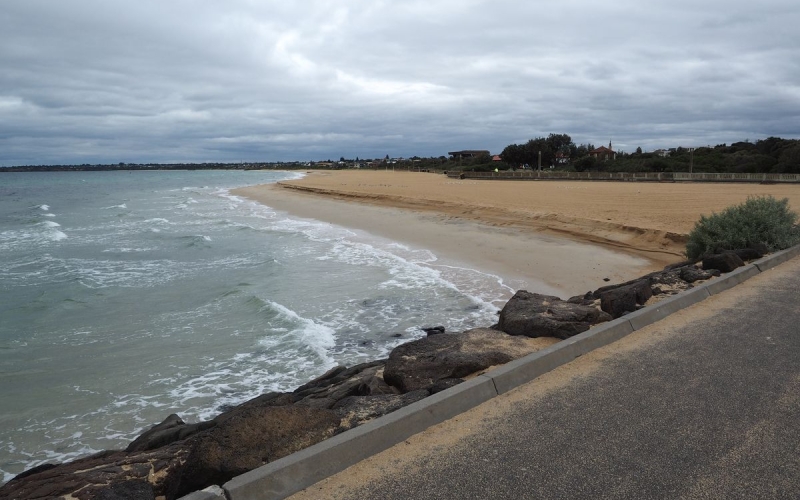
(724, 262)
(535, 315)
(690, 274)
(172, 429)
(339, 383)
(108, 474)
(357, 410)
(624, 299)
(244, 439)
(747, 253)
(421, 363)
(249, 439)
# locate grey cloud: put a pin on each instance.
(89, 80)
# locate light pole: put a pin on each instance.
(691, 160)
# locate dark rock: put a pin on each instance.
(760, 248)
(584, 300)
(690, 274)
(250, 439)
(264, 400)
(170, 430)
(747, 253)
(622, 300)
(396, 335)
(606, 279)
(433, 330)
(356, 410)
(668, 278)
(328, 375)
(360, 380)
(375, 386)
(109, 474)
(619, 301)
(444, 384)
(647, 278)
(535, 315)
(333, 377)
(126, 490)
(421, 363)
(725, 262)
(34, 470)
(683, 263)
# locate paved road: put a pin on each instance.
(708, 408)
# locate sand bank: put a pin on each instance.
(557, 237)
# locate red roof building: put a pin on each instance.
(603, 153)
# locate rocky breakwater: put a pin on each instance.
(174, 458)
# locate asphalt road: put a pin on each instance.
(709, 410)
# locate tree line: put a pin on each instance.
(558, 151)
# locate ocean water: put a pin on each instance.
(127, 296)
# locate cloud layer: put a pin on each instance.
(90, 81)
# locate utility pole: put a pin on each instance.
(540, 160)
(691, 159)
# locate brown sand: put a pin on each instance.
(523, 231)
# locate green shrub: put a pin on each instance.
(760, 219)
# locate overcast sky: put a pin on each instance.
(89, 81)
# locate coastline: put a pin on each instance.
(521, 257)
(346, 397)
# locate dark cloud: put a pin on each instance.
(95, 81)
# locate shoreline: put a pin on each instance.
(545, 262)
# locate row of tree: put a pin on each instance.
(545, 151)
(771, 155)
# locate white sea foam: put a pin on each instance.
(57, 236)
(48, 223)
(123, 205)
(318, 337)
(44, 207)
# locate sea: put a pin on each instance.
(126, 296)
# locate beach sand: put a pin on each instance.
(559, 237)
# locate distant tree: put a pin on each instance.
(560, 143)
(514, 155)
(586, 163)
(536, 146)
(789, 160)
(638, 151)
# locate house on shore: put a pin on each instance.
(468, 153)
(603, 153)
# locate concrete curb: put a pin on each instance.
(773, 260)
(523, 370)
(300, 470)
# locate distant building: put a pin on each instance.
(497, 158)
(468, 153)
(603, 153)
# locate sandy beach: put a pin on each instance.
(559, 237)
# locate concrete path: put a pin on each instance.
(704, 404)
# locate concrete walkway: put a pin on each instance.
(704, 404)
